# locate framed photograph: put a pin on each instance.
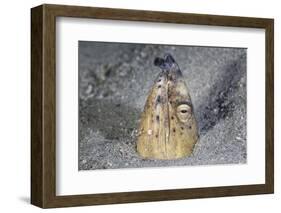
(136, 106)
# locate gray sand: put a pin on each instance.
(114, 80)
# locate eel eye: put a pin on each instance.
(184, 112)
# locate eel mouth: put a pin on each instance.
(162, 104)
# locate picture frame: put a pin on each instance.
(44, 114)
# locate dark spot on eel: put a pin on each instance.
(158, 99)
(157, 118)
(159, 86)
(182, 128)
(174, 130)
(172, 117)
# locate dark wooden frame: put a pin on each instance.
(43, 105)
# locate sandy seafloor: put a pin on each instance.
(114, 81)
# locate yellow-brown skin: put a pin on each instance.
(168, 128)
